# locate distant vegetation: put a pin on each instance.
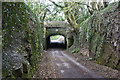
(55, 37)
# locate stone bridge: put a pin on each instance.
(56, 28)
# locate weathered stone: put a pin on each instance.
(17, 73)
(25, 68)
(57, 28)
(22, 42)
(103, 38)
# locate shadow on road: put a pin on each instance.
(57, 45)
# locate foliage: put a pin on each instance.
(76, 12)
(94, 32)
(76, 50)
(54, 14)
(55, 37)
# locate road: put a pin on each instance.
(59, 63)
(69, 67)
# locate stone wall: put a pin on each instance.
(22, 40)
(101, 34)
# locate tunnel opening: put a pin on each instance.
(56, 41)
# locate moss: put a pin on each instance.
(76, 50)
(118, 66)
(95, 31)
(29, 74)
(21, 38)
(100, 61)
(5, 72)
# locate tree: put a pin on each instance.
(71, 11)
(119, 5)
(105, 3)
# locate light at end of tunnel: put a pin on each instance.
(56, 30)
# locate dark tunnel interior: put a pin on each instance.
(60, 42)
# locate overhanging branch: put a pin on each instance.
(56, 4)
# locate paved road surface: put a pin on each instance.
(69, 67)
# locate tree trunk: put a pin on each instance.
(91, 12)
(105, 3)
(119, 5)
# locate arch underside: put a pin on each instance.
(56, 45)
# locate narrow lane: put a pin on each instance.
(69, 67)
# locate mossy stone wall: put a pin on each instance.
(101, 33)
(22, 40)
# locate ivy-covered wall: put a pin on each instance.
(22, 40)
(101, 34)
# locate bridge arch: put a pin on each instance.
(56, 45)
(56, 28)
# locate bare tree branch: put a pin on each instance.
(56, 4)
